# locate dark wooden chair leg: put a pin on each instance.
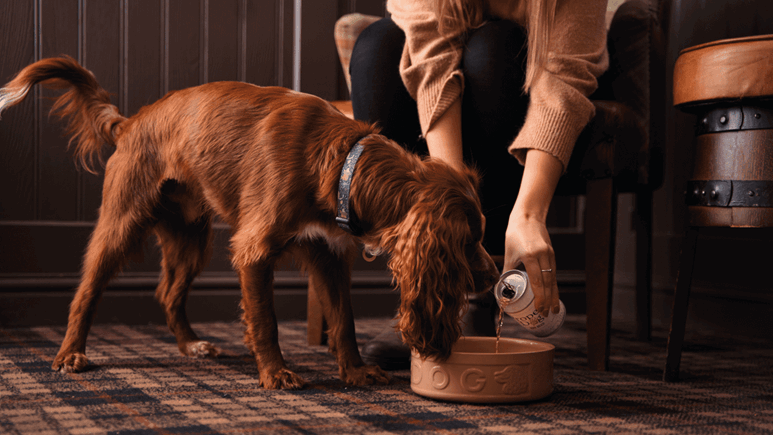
(315, 319)
(643, 227)
(681, 299)
(600, 226)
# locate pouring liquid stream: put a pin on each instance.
(499, 329)
(508, 293)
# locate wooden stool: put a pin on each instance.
(728, 84)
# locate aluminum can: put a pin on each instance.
(515, 297)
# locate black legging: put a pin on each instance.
(493, 106)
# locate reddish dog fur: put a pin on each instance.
(267, 160)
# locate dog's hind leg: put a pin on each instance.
(261, 334)
(330, 274)
(185, 250)
(120, 231)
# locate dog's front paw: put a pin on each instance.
(282, 379)
(70, 363)
(201, 349)
(365, 375)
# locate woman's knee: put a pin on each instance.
(374, 69)
(381, 43)
(494, 49)
(494, 104)
(378, 92)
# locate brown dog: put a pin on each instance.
(269, 162)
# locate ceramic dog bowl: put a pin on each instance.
(522, 370)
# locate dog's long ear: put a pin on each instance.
(430, 266)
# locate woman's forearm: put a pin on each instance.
(527, 240)
(540, 177)
(444, 138)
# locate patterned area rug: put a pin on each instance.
(138, 383)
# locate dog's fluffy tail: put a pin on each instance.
(93, 119)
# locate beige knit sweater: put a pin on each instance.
(559, 106)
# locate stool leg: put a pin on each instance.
(315, 319)
(600, 226)
(643, 226)
(681, 299)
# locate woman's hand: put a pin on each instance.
(527, 241)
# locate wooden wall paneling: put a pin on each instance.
(285, 57)
(143, 43)
(370, 7)
(345, 7)
(184, 33)
(223, 39)
(263, 44)
(42, 250)
(58, 181)
(366, 7)
(319, 58)
(17, 126)
(101, 53)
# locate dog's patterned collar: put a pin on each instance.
(344, 215)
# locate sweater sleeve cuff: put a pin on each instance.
(437, 97)
(548, 129)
